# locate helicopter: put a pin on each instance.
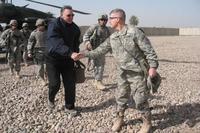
(8, 11)
(22, 14)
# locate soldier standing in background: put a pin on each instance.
(132, 51)
(26, 32)
(92, 38)
(1, 29)
(13, 39)
(36, 48)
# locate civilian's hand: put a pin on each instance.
(77, 56)
(74, 56)
(152, 72)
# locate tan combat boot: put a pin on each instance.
(43, 82)
(146, 125)
(26, 64)
(118, 122)
(99, 85)
(11, 71)
(17, 75)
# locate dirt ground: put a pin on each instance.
(176, 106)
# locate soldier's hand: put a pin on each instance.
(29, 55)
(152, 72)
(75, 56)
(88, 46)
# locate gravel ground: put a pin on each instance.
(176, 107)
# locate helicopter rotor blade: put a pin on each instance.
(26, 5)
(85, 13)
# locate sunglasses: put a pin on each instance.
(70, 15)
(103, 19)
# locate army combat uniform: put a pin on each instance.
(96, 35)
(26, 32)
(131, 77)
(14, 39)
(36, 47)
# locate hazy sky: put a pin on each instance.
(151, 13)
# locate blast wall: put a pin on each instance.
(156, 31)
(189, 31)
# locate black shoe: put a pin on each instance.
(71, 112)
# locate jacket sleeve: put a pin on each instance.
(55, 41)
(146, 47)
(77, 41)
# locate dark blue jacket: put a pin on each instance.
(62, 39)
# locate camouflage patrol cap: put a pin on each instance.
(40, 22)
(25, 25)
(103, 16)
(154, 82)
(13, 22)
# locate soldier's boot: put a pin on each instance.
(11, 71)
(43, 82)
(17, 75)
(26, 64)
(118, 122)
(146, 125)
(100, 85)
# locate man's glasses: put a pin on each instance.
(113, 17)
(70, 15)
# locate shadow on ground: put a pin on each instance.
(173, 61)
(186, 113)
(100, 106)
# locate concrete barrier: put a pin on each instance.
(157, 31)
(189, 31)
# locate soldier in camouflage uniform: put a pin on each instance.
(26, 32)
(13, 39)
(1, 29)
(36, 48)
(93, 37)
(131, 49)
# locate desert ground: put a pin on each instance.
(175, 108)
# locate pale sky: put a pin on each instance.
(151, 13)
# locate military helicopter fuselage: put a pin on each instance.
(21, 14)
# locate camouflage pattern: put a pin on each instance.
(96, 35)
(103, 16)
(40, 22)
(13, 42)
(24, 25)
(36, 47)
(13, 22)
(131, 77)
(26, 33)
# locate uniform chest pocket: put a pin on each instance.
(129, 44)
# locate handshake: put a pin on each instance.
(77, 56)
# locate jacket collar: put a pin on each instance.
(121, 32)
(64, 23)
